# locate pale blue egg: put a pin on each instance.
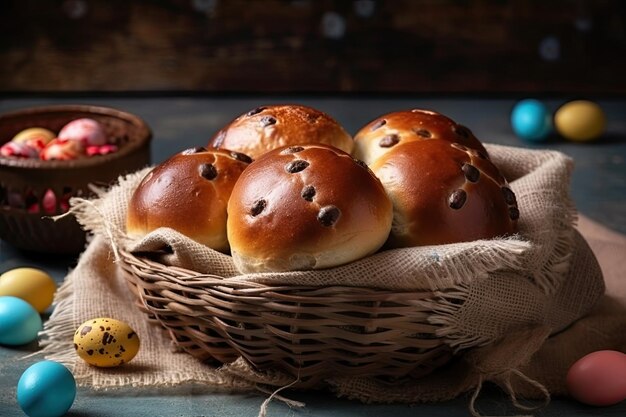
(46, 389)
(19, 321)
(531, 120)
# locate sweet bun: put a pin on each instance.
(189, 193)
(306, 207)
(269, 127)
(384, 133)
(444, 192)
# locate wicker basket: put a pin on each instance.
(310, 333)
(24, 179)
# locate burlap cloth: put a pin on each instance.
(519, 310)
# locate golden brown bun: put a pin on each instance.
(443, 192)
(393, 129)
(306, 207)
(269, 127)
(189, 193)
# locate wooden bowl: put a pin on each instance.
(24, 220)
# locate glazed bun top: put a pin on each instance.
(443, 193)
(189, 193)
(306, 207)
(269, 127)
(384, 133)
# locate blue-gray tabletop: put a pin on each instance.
(598, 189)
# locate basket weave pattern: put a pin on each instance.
(24, 182)
(308, 332)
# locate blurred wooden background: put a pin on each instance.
(370, 46)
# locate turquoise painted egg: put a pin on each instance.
(46, 389)
(531, 120)
(19, 321)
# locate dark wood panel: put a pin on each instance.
(306, 45)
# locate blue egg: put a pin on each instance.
(19, 321)
(531, 120)
(46, 389)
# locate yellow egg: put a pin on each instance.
(580, 120)
(40, 133)
(31, 285)
(106, 342)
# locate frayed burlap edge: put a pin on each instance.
(549, 276)
(56, 343)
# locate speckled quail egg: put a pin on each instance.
(106, 342)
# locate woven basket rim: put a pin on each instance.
(143, 137)
(187, 275)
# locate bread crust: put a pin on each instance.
(306, 207)
(265, 128)
(189, 193)
(390, 130)
(444, 192)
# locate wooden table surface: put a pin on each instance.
(598, 189)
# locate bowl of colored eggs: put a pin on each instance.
(51, 154)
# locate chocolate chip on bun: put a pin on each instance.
(444, 192)
(306, 207)
(189, 193)
(269, 127)
(388, 131)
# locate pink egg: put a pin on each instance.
(49, 202)
(62, 150)
(19, 150)
(598, 378)
(86, 131)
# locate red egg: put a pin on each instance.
(62, 150)
(19, 150)
(598, 378)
